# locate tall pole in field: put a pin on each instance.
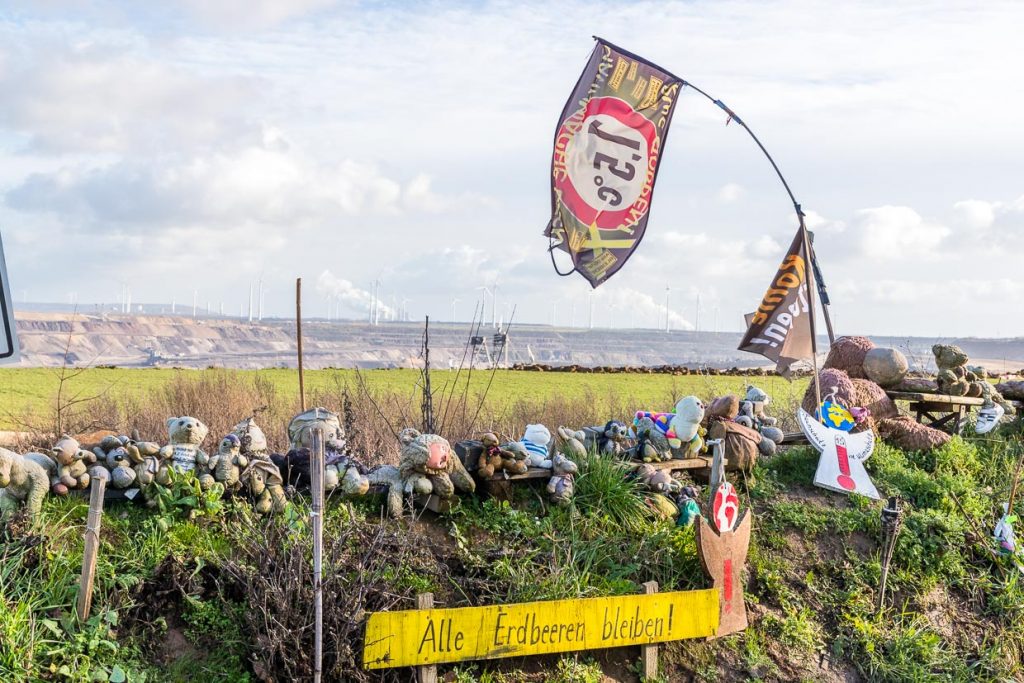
(666, 308)
(316, 482)
(298, 340)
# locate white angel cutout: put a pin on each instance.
(841, 465)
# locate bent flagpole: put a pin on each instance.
(812, 258)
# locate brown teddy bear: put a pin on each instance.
(491, 457)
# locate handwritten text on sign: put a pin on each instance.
(418, 637)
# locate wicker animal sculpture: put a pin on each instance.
(22, 482)
(562, 486)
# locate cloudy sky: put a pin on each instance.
(205, 145)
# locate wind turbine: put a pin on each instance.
(486, 293)
(666, 308)
(454, 301)
(404, 310)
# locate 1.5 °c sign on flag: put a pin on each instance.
(607, 149)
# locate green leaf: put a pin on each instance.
(117, 675)
(51, 626)
(111, 618)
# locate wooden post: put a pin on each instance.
(808, 278)
(428, 396)
(298, 338)
(649, 653)
(316, 476)
(426, 674)
(92, 546)
(717, 475)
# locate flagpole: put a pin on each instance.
(808, 276)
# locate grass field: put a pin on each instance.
(25, 392)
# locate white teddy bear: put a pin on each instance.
(686, 425)
(536, 439)
(186, 434)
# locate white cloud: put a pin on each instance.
(975, 214)
(730, 192)
(896, 232)
(252, 14)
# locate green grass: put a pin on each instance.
(26, 391)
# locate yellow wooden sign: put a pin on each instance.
(435, 636)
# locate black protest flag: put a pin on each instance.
(781, 328)
(608, 146)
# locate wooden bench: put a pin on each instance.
(940, 410)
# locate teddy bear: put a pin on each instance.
(752, 414)
(956, 378)
(122, 468)
(339, 465)
(185, 435)
(72, 464)
(652, 444)
(613, 438)
(515, 459)
(227, 463)
(251, 437)
(572, 442)
(689, 509)
(22, 481)
(657, 481)
(843, 375)
(537, 439)
(561, 486)
(155, 466)
(686, 425)
(426, 464)
(263, 480)
(491, 456)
